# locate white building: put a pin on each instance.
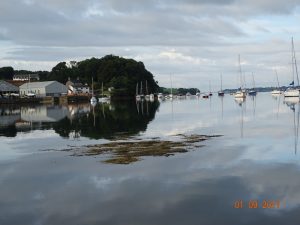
(42, 89)
(76, 87)
(26, 77)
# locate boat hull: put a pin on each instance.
(292, 93)
(240, 94)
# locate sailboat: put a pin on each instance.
(241, 93)
(103, 98)
(221, 92)
(141, 92)
(252, 91)
(171, 95)
(292, 91)
(147, 96)
(137, 96)
(93, 100)
(276, 91)
(210, 94)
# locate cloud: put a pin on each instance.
(199, 32)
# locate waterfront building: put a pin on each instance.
(43, 89)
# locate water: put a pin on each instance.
(256, 160)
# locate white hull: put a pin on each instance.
(240, 94)
(276, 92)
(151, 97)
(104, 99)
(291, 93)
(93, 100)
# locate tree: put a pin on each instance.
(6, 73)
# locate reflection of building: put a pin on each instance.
(7, 88)
(26, 77)
(44, 113)
(80, 109)
(77, 87)
(42, 89)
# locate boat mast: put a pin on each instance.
(221, 82)
(277, 79)
(146, 88)
(141, 87)
(253, 80)
(171, 85)
(92, 86)
(102, 89)
(240, 71)
(295, 69)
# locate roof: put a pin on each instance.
(34, 75)
(38, 84)
(76, 83)
(7, 87)
(17, 83)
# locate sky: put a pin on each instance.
(191, 42)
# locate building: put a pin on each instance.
(7, 89)
(26, 77)
(43, 89)
(76, 87)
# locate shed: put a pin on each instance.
(7, 88)
(43, 89)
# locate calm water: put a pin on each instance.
(256, 159)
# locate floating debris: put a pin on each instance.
(126, 152)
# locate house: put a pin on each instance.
(76, 87)
(26, 77)
(7, 89)
(43, 89)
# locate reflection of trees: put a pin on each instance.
(108, 121)
(102, 121)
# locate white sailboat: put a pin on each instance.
(147, 96)
(171, 95)
(141, 92)
(103, 98)
(252, 92)
(276, 91)
(93, 100)
(293, 91)
(137, 96)
(221, 92)
(241, 93)
(160, 96)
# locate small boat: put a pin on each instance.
(221, 92)
(160, 96)
(276, 91)
(241, 93)
(93, 99)
(103, 98)
(152, 97)
(210, 93)
(205, 96)
(147, 96)
(252, 92)
(293, 91)
(138, 96)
